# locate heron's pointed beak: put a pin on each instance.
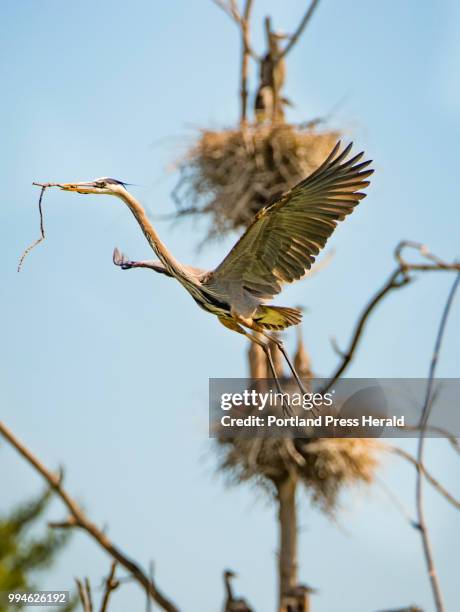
(78, 187)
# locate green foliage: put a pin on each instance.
(23, 554)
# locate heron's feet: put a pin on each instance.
(119, 259)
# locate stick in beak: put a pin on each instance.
(77, 187)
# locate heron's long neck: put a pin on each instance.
(174, 267)
(228, 588)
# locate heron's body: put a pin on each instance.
(222, 300)
(279, 247)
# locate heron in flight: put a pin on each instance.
(278, 247)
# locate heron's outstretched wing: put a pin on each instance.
(285, 237)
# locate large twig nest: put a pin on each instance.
(232, 173)
(324, 466)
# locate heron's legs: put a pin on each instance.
(234, 326)
(280, 344)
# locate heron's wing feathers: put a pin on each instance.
(286, 236)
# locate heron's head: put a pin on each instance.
(102, 186)
(229, 574)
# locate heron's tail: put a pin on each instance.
(277, 317)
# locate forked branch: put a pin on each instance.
(111, 583)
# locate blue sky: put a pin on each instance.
(119, 89)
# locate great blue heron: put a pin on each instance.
(232, 603)
(278, 247)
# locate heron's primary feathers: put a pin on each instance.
(286, 236)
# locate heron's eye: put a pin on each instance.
(100, 184)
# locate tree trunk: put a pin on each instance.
(287, 517)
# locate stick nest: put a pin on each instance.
(324, 466)
(231, 174)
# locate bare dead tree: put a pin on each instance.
(78, 519)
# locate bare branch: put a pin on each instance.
(395, 281)
(426, 541)
(85, 597)
(336, 348)
(225, 7)
(395, 500)
(149, 607)
(295, 37)
(230, 8)
(90, 596)
(400, 277)
(54, 480)
(439, 430)
(430, 478)
(110, 585)
(67, 524)
(234, 10)
(421, 248)
(246, 51)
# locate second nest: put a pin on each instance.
(231, 174)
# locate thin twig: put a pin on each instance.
(443, 433)
(149, 606)
(84, 523)
(90, 596)
(67, 524)
(430, 478)
(426, 541)
(231, 10)
(83, 595)
(295, 37)
(224, 6)
(110, 585)
(395, 500)
(42, 229)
